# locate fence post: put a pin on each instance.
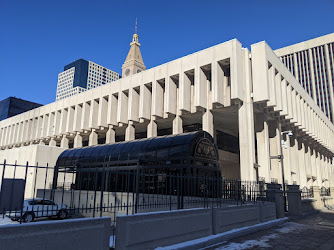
(275, 194)
(317, 197)
(294, 200)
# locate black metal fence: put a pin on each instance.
(325, 191)
(35, 192)
(97, 190)
(307, 193)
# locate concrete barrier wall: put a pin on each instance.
(88, 233)
(267, 211)
(225, 219)
(148, 231)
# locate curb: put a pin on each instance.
(220, 238)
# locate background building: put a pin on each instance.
(13, 106)
(312, 63)
(82, 75)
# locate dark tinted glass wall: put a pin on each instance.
(13, 106)
(227, 142)
(80, 73)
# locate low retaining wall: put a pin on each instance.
(151, 230)
(229, 218)
(88, 233)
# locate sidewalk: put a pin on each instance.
(312, 232)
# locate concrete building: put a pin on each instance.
(82, 75)
(312, 64)
(247, 100)
(12, 106)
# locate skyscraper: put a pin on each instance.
(82, 75)
(311, 62)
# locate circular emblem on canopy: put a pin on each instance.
(205, 149)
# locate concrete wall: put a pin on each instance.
(92, 233)
(234, 217)
(35, 155)
(147, 231)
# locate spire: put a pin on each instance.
(136, 26)
(135, 36)
(134, 62)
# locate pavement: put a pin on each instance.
(315, 231)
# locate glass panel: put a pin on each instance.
(114, 154)
(124, 154)
(136, 149)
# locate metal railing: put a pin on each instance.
(97, 192)
(307, 193)
(325, 191)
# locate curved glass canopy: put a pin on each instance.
(188, 148)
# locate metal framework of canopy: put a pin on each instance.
(188, 154)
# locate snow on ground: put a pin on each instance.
(264, 241)
(6, 221)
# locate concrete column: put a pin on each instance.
(130, 132)
(177, 125)
(110, 135)
(64, 142)
(78, 141)
(275, 150)
(319, 176)
(41, 142)
(53, 142)
(275, 194)
(152, 128)
(294, 159)
(301, 158)
(317, 197)
(246, 141)
(93, 138)
(308, 167)
(286, 151)
(294, 200)
(207, 122)
(263, 152)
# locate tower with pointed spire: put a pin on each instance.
(134, 62)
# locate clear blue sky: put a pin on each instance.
(38, 38)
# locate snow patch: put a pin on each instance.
(265, 240)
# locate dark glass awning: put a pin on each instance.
(198, 145)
